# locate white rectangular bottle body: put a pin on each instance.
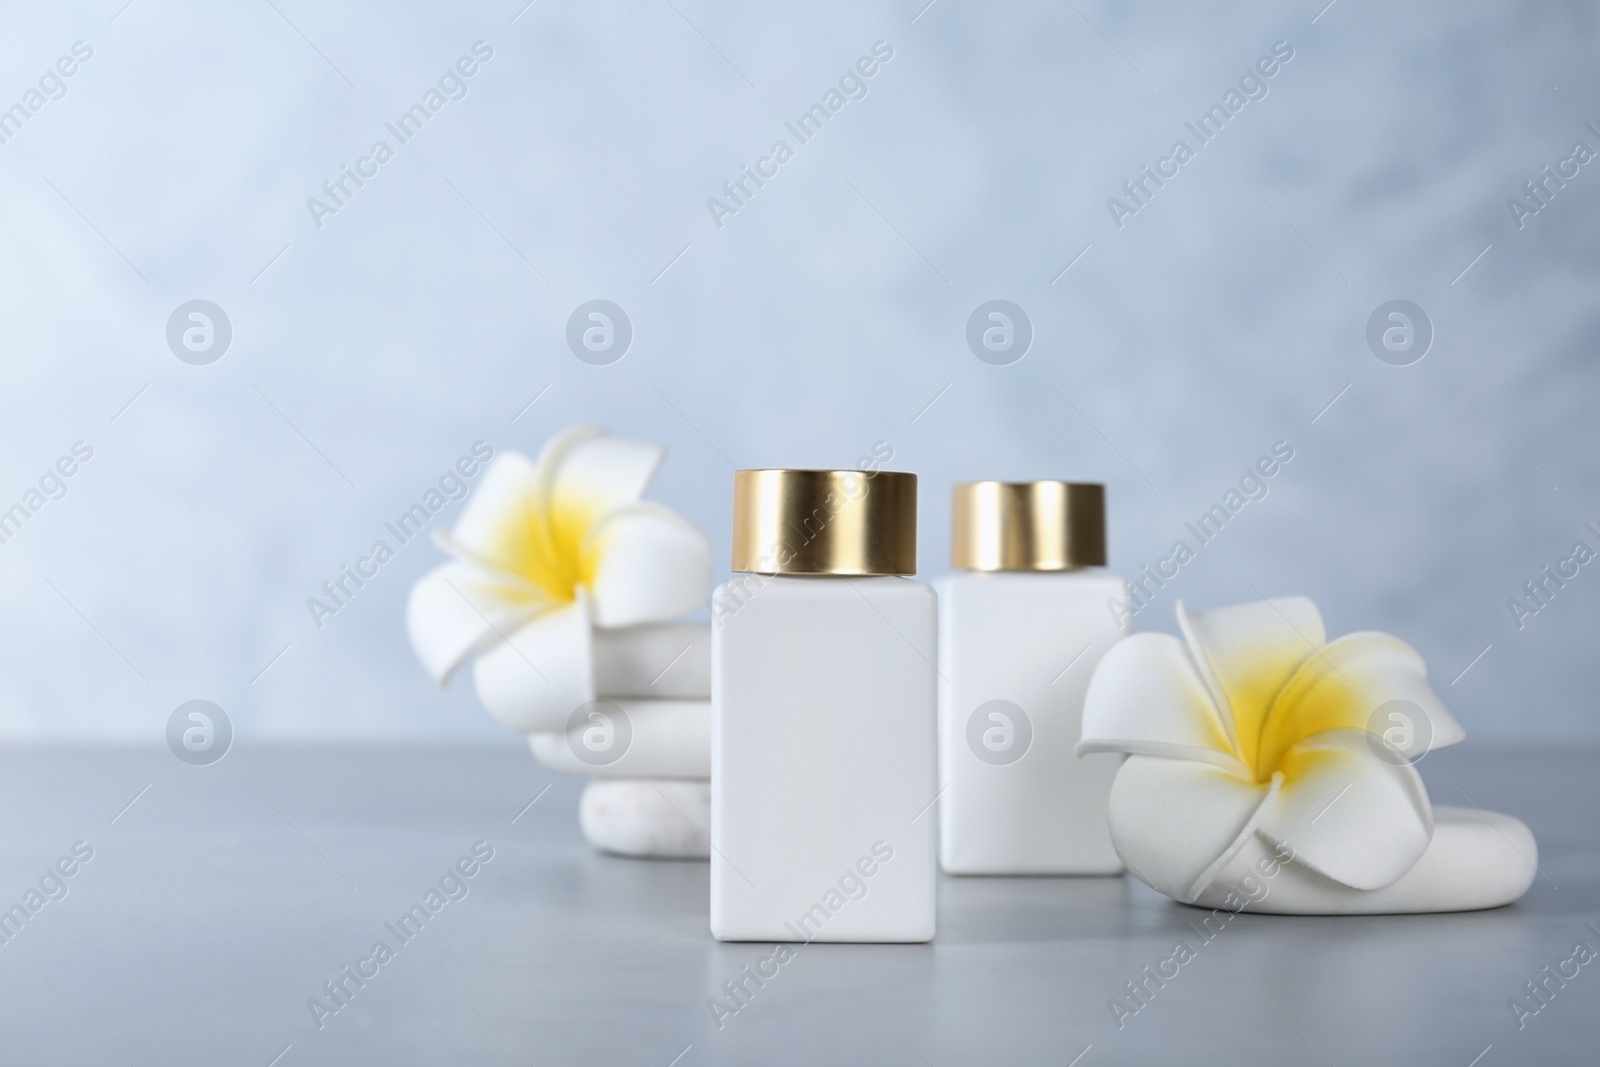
(1017, 800)
(823, 759)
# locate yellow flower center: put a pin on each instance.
(1272, 712)
(545, 546)
(1317, 699)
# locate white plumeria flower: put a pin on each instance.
(543, 553)
(1256, 724)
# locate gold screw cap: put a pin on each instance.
(824, 522)
(1028, 526)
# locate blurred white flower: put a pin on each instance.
(545, 551)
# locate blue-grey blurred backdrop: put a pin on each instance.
(1176, 336)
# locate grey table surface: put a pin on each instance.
(220, 900)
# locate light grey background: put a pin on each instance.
(824, 317)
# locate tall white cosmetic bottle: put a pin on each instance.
(1021, 626)
(823, 712)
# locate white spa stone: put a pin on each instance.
(647, 819)
(1475, 860)
(660, 661)
(628, 738)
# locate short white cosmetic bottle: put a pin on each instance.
(823, 714)
(1022, 625)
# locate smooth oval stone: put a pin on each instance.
(1475, 860)
(655, 819)
(660, 660)
(641, 739)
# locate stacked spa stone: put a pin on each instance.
(645, 740)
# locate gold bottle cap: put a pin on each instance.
(824, 522)
(1028, 526)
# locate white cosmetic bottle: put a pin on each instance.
(823, 711)
(1022, 625)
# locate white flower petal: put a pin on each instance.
(1354, 684)
(597, 473)
(555, 452)
(1146, 698)
(583, 475)
(1348, 814)
(1175, 821)
(514, 583)
(506, 497)
(650, 565)
(1247, 652)
(537, 677)
(454, 611)
(507, 523)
